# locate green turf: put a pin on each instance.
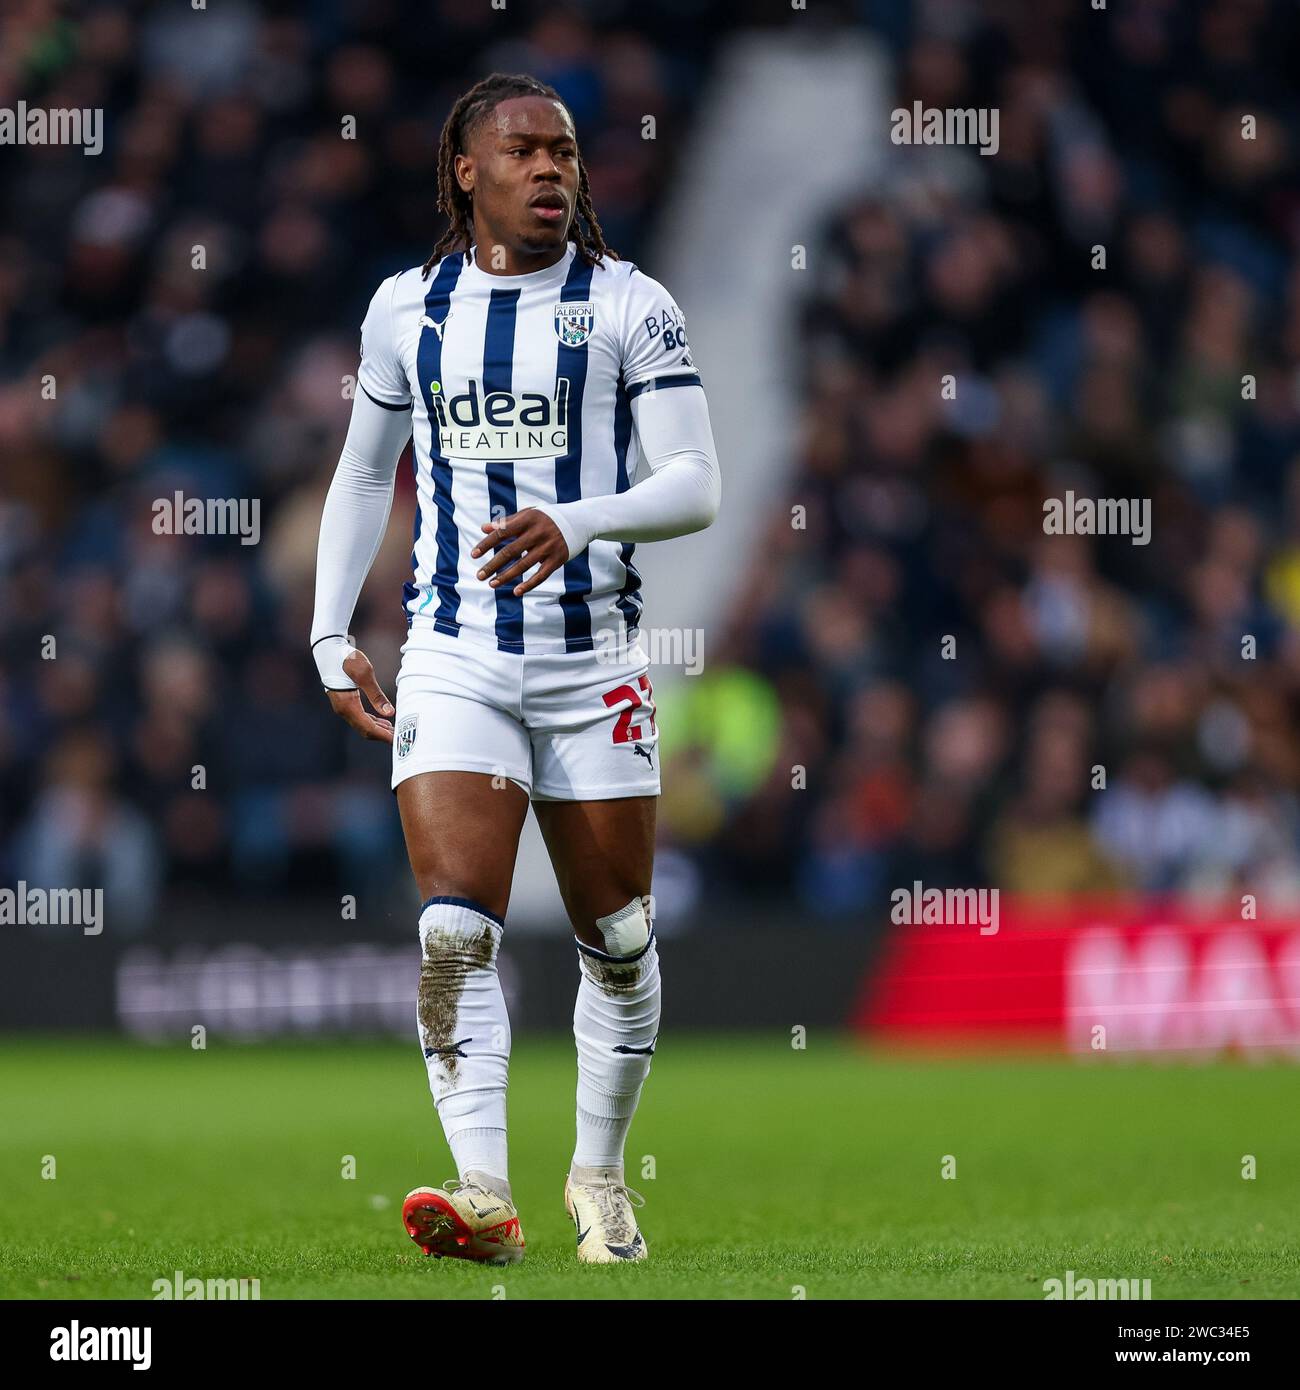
(774, 1170)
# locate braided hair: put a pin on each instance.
(455, 203)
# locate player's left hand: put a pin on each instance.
(525, 539)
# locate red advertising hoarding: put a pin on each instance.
(1117, 977)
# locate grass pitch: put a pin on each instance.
(775, 1171)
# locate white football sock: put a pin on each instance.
(615, 1023)
(465, 1035)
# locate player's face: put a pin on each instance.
(522, 168)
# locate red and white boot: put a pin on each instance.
(464, 1221)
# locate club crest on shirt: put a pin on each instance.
(573, 323)
(405, 736)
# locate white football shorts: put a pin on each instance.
(565, 726)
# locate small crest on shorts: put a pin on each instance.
(574, 322)
(405, 736)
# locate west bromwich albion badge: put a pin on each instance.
(573, 323)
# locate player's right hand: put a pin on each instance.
(347, 703)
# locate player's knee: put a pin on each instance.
(627, 954)
(481, 886)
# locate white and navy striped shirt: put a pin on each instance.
(520, 388)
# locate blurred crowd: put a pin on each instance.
(1095, 722)
(1107, 715)
(180, 313)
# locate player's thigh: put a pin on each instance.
(462, 770)
(462, 834)
(595, 777)
(603, 855)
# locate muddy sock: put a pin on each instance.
(465, 1033)
(615, 1022)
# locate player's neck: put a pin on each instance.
(509, 260)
